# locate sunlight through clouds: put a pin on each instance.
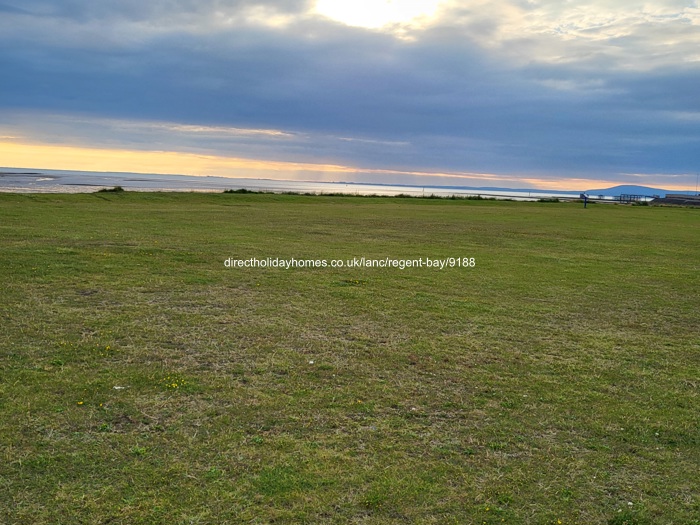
(375, 14)
(614, 33)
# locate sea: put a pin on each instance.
(21, 180)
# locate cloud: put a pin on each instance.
(599, 34)
(536, 88)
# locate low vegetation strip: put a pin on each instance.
(143, 381)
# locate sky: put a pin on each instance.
(543, 94)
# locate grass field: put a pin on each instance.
(143, 382)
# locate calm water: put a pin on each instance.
(57, 181)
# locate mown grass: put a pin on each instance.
(141, 381)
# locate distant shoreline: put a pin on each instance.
(32, 180)
(28, 180)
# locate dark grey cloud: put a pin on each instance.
(84, 10)
(441, 100)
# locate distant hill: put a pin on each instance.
(630, 189)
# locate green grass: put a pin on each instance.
(142, 381)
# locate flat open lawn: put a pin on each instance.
(142, 381)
